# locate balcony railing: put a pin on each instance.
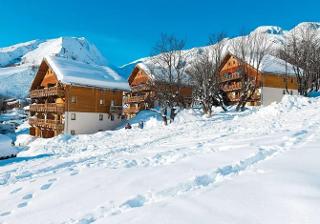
(140, 88)
(116, 109)
(237, 99)
(229, 77)
(134, 99)
(232, 87)
(46, 123)
(52, 91)
(49, 107)
(131, 110)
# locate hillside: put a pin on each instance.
(275, 35)
(18, 63)
(257, 166)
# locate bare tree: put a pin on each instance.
(302, 50)
(204, 71)
(250, 51)
(168, 67)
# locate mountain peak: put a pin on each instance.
(269, 30)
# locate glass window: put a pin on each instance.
(73, 99)
(112, 117)
(73, 116)
(101, 101)
(100, 117)
(72, 132)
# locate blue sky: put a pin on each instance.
(126, 30)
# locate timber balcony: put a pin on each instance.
(52, 91)
(134, 99)
(232, 87)
(229, 77)
(116, 109)
(49, 107)
(140, 88)
(46, 123)
(131, 110)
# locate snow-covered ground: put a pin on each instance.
(257, 166)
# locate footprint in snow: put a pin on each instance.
(73, 173)
(45, 186)
(22, 205)
(5, 213)
(52, 180)
(48, 185)
(27, 197)
(16, 190)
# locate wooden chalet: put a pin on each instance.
(74, 98)
(274, 79)
(143, 94)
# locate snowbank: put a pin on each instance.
(234, 167)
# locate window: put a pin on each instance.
(101, 101)
(72, 132)
(100, 117)
(73, 99)
(112, 103)
(73, 116)
(112, 117)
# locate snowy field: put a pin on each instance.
(257, 166)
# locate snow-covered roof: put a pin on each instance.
(271, 64)
(73, 72)
(158, 73)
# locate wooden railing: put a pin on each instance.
(134, 99)
(232, 76)
(232, 87)
(52, 91)
(49, 107)
(131, 110)
(46, 123)
(116, 109)
(140, 88)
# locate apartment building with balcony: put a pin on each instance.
(144, 88)
(274, 79)
(71, 97)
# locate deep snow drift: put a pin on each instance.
(258, 166)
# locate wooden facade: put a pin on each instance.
(52, 99)
(143, 94)
(231, 84)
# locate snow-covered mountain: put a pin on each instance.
(276, 35)
(18, 63)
